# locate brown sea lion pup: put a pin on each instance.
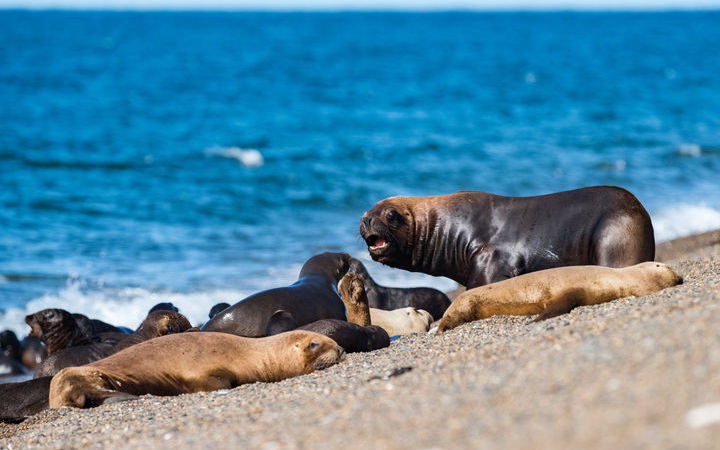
(396, 322)
(312, 297)
(388, 298)
(33, 352)
(21, 400)
(157, 323)
(58, 329)
(192, 362)
(556, 291)
(349, 336)
(476, 238)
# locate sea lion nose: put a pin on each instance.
(366, 219)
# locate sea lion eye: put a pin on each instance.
(49, 315)
(393, 216)
(313, 345)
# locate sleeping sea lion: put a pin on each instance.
(556, 291)
(192, 362)
(476, 238)
(312, 297)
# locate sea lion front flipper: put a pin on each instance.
(280, 322)
(117, 397)
(562, 305)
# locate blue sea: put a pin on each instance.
(199, 157)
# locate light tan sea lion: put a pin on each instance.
(192, 362)
(556, 291)
(399, 321)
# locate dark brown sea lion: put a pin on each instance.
(476, 238)
(192, 362)
(10, 364)
(389, 298)
(312, 297)
(21, 400)
(350, 336)
(217, 308)
(552, 292)
(33, 352)
(157, 323)
(58, 329)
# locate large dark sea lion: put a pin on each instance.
(552, 292)
(388, 298)
(192, 362)
(349, 336)
(157, 323)
(312, 297)
(476, 238)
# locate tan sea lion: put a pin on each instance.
(192, 362)
(476, 238)
(396, 322)
(556, 291)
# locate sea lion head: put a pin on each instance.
(661, 275)
(161, 322)
(58, 329)
(316, 350)
(419, 315)
(329, 264)
(165, 306)
(218, 308)
(387, 229)
(9, 344)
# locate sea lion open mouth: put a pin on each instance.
(378, 243)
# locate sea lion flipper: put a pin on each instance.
(117, 397)
(280, 322)
(562, 305)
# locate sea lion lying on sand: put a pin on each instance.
(388, 298)
(21, 400)
(312, 297)
(192, 362)
(476, 238)
(157, 323)
(350, 336)
(556, 291)
(396, 322)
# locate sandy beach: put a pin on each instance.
(636, 372)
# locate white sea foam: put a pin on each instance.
(693, 150)
(248, 157)
(124, 307)
(683, 219)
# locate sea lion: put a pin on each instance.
(312, 297)
(157, 323)
(192, 362)
(33, 352)
(218, 308)
(476, 238)
(165, 306)
(349, 336)
(401, 321)
(396, 322)
(58, 329)
(21, 400)
(10, 364)
(388, 298)
(552, 292)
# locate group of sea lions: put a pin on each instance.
(516, 255)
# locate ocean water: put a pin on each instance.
(200, 157)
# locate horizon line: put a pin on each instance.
(311, 9)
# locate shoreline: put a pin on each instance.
(632, 372)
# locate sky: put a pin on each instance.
(366, 4)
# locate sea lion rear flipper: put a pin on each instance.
(280, 322)
(562, 305)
